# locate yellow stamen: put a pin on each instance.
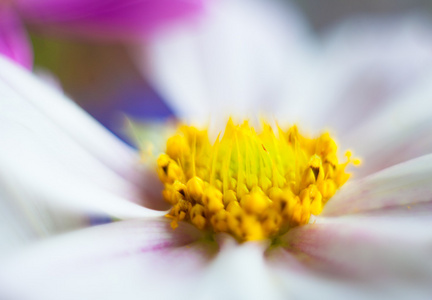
(248, 184)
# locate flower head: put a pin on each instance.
(370, 241)
(253, 185)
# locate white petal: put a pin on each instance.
(22, 87)
(53, 152)
(369, 61)
(123, 260)
(401, 132)
(379, 72)
(306, 282)
(239, 271)
(401, 187)
(23, 221)
(367, 248)
(42, 179)
(235, 60)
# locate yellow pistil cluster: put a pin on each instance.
(249, 184)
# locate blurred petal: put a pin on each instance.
(367, 249)
(400, 132)
(123, 260)
(362, 66)
(56, 153)
(23, 221)
(370, 61)
(106, 18)
(298, 281)
(13, 38)
(69, 118)
(233, 60)
(401, 188)
(304, 276)
(239, 271)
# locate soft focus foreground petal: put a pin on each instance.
(401, 187)
(304, 276)
(106, 18)
(13, 38)
(298, 281)
(233, 60)
(67, 116)
(363, 64)
(56, 153)
(23, 221)
(239, 271)
(400, 132)
(123, 260)
(368, 61)
(388, 254)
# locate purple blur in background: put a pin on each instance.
(95, 19)
(105, 18)
(13, 39)
(136, 100)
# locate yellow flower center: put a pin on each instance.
(252, 185)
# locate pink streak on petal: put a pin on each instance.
(124, 260)
(302, 279)
(13, 39)
(278, 256)
(398, 189)
(107, 18)
(370, 248)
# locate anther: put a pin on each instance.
(248, 184)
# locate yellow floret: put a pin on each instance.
(253, 185)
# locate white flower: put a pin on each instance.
(248, 56)
(372, 240)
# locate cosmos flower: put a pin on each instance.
(269, 60)
(370, 241)
(121, 20)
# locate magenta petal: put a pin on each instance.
(106, 18)
(13, 39)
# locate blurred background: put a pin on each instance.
(104, 79)
(326, 13)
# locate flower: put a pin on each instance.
(343, 80)
(121, 20)
(251, 184)
(371, 241)
(13, 42)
